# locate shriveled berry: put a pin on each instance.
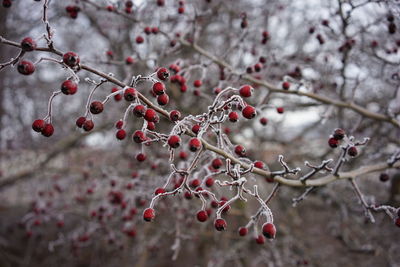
(71, 59)
(240, 150)
(121, 134)
(246, 91)
(163, 99)
(220, 224)
(174, 141)
(194, 144)
(158, 88)
(151, 115)
(130, 94)
(149, 214)
(352, 151)
(69, 87)
(162, 74)
(48, 130)
(139, 137)
(28, 44)
(88, 125)
(38, 125)
(26, 67)
(174, 115)
(96, 107)
(249, 112)
(269, 230)
(233, 116)
(202, 216)
(339, 134)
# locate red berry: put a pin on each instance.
(240, 150)
(163, 99)
(194, 144)
(149, 214)
(38, 125)
(88, 125)
(285, 85)
(71, 59)
(333, 143)
(162, 74)
(48, 130)
(129, 60)
(141, 157)
(159, 190)
(119, 124)
(352, 151)
(147, 30)
(202, 216)
(209, 182)
(158, 88)
(174, 141)
(117, 97)
(217, 90)
(196, 128)
(260, 240)
(121, 134)
(26, 67)
(151, 126)
(28, 44)
(96, 107)
(246, 91)
(249, 112)
(280, 110)
(233, 116)
(259, 164)
(130, 94)
(220, 224)
(80, 121)
(339, 134)
(139, 137)
(174, 115)
(195, 183)
(197, 83)
(269, 230)
(139, 39)
(160, 2)
(258, 67)
(263, 121)
(69, 87)
(181, 10)
(217, 163)
(110, 8)
(384, 177)
(155, 30)
(397, 222)
(139, 110)
(243, 231)
(151, 115)
(183, 155)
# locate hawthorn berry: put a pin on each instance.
(196, 128)
(130, 94)
(162, 74)
(384, 177)
(28, 44)
(129, 61)
(233, 116)
(151, 115)
(280, 110)
(7, 4)
(69, 87)
(260, 240)
(397, 222)
(209, 182)
(258, 67)
(333, 143)
(80, 121)
(158, 88)
(240, 150)
(183, 155)
(160, 2)
(155, 30)
(181, 10)
(96, 107)
(38, 125)
(194, 144)
(139, 110)
(149, 214)
(217, 90)
(259, 164)
(26, 67)
(220, 224)
(151, 126)
(285, 85)
(110, 8)
(263, 121)
(88, 125)
(202, 216)
(174, 141)
(249, 112)
(339, 134)
(246, 91)
(269, 230)
(48, 130)
(71, 59)
(163, 99)
(243, 231)
(139, 137)
(352, 151)
(139, 39)
(119, 124)
(174, 115)
(141, 157)
(147, 30)
(159, 190)
(121, 134)
(194, 183)
(117, 97)
(216, 163)
(197, 83)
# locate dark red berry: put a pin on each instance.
(149, 214)
(162, 74)
(117, 97)
(333, 143)
(397, 222)
(139, 110)
(196, 128)
(26, 67)
(249, 112)
(174, 141)
(151, 126)
(158, 88)
(129, 60)
(243, 231)
(220, 224)
(339, 134)
(71, 59)
(263, 121)
(285, 85)
(130, 94)
(163, 99)
(352, 151)
(151, 115)
(280, 110)
(269, 230)
(139, 137)
(195, 183)
(141, 157)
(28, 44)
(233, 116)
(48, 130)
(197, 83)
(80, 121)
(202, 216)
(160, 2)
(139, 39)
(38, 125)
(260, 240)
(384, 177)
(121, 134)
(88, 125)
(194, 144)
(217, 163)
(69, 87)
(209, 181)
(246, 91)
(174, 115)
(96, 107)
(240, 150)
